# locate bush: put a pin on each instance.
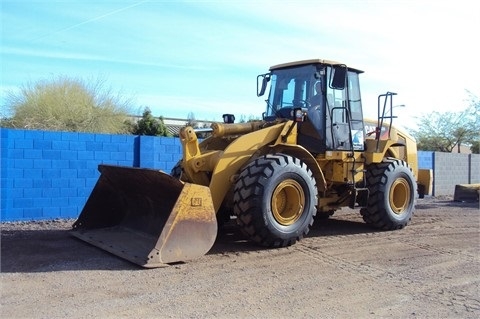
(148, 125)
(68, 104)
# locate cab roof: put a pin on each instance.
(311, 61)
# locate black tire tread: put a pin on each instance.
(376, 213)
(246, 199)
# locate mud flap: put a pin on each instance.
(147, 217)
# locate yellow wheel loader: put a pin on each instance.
(311, 154)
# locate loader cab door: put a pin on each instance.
(344, 118)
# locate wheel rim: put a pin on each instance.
(288, 202)
(399, 196)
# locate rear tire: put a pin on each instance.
(275, 200)
(391, 203)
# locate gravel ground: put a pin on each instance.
(343, 269)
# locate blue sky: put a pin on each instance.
(178, 57)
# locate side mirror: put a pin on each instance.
(265, 80)
(338, 77)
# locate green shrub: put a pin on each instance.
(68, 104)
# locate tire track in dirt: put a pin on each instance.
(442, 237)
(359, 269)
(428, 247)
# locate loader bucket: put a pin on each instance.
(147, 217)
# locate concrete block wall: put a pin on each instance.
(474, 169)
(451, 169)
(47, 175)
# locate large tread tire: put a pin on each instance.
(392, 187)
(275, 200)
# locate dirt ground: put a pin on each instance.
(343, 269)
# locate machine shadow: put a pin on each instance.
(51, 250)
(31, 251)
(445, 203)
(230, 238)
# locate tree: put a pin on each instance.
(251, 118)
(475, 148)
(475, 114)
(67, 104)
(447, 131)
(149, 125)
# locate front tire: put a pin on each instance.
(275, 200)
(391, 203)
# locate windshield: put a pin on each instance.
(292, 87)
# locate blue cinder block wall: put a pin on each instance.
(425, 159)
(47, 175)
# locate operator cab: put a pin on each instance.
(327, 92)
